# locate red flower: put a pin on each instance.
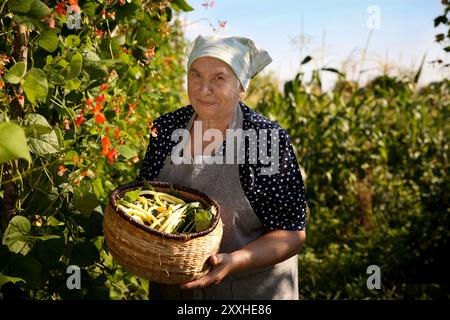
(152, 127)
(103, 87)
(100, 118)
(51, 22)
(60, 9)
(100, 99)
(67, 124)
(80, 119)
(104, 13)
(112, 155)
(106, 143)
(131, 108)
(97, 108)
(61, 170)
(117, 133)
(150, 53)
(167, 61)
(100, 33)
(74, 6)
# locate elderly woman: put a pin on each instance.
(263, 210)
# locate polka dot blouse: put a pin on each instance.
(277, 198)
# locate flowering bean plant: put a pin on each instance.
(80, 83)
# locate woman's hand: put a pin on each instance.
(222, 266)
(269, 249)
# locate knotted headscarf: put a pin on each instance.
(244, 57)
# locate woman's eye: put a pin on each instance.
(220, 78)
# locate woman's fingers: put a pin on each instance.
(218, 262)
(216, 259)
(203, 282)
(199, 283)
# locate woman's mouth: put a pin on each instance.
(205, 103)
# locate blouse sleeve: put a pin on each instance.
(153, 160)
(279, 194)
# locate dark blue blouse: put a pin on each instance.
(277, 199)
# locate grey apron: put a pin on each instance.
(241, 226)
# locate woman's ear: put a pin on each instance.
(241, 92)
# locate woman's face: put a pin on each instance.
(213, 89)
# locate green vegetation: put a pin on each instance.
(375, 163)
(76, 110)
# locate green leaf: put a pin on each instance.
(23, 19)
(18, 224)
(85, 202)
(13, 143)
(181, 5)
(48, 41)
(131, 196)
(419, 71)
(35, 85)
(148, 186)
(41, 144)
(441, 19)
(38, 10)
(5, 279)
(16, 73)
(333, 70)
(72, 41)
(71, 157)
(89, 9)
(14, 237)
(84, 254)
(126, 151)
(72, 85)
(20, 6)
(95, 70)
(36, 125)
(98, 188)
(26, 267)
(92, 225)
(306, 60)
(202, 220)
(45, 144)
(75, 65)
(49, 251)
(47, 237)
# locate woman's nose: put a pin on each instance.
(205, 87)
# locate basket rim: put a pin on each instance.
(154, 183)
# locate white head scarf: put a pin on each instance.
(241, 54)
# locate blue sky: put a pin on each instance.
(333, 31)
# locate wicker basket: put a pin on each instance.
(158, 256)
